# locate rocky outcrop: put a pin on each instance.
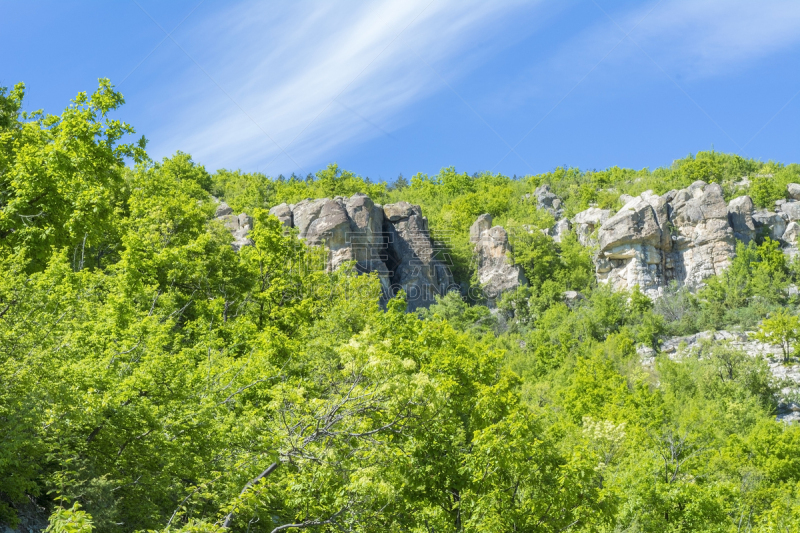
(787, 375)
(586, 222)
(740, 218)
(683, 235)
(496, 270)
(794, 191)
(392, 241)
(284, 213)
(239, 225)
(547, 200)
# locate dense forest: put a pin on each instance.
(155, 379)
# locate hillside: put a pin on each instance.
(572, 351)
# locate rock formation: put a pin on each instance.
(392, 241)
(683, 235)
(547, 200)
(239, 225)
(686, 236)
(586, 222)
(496, 271)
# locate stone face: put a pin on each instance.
(546, 199)
(740, 217)
(586, 222)
(791, 210)
(392, 241)
(496, 272)
(284, 213)
(483, 223)
(682, 235)
(413, 257)
(794, 191)
(772, 225)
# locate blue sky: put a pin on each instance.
(388, 87)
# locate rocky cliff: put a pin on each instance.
(392, 241)
(683, 236)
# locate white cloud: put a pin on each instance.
(285, 65)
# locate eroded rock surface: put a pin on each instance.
(239, 225)
(683, 235)
(392, 241)
(497, 272)
(586, 222)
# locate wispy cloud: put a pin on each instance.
(694, 38)
(318, 78)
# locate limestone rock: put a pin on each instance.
(483, 223)
(705, 242)
(222, 210)
(792, 232)
(791, 210)
(496, 272)
(586, 222)
(682, 235)
(794, 191)
(546, 199)
(772, 225)
(413, 258)
(560, 230)
(284, 213)
(392, 241)
(239, 226)
(740, 217)
(401, 211)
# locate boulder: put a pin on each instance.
(284, 213)
(769, 224)
(794, 191)
(222, 210)
(400, 211)
(497, 272)
(790, 209)
(792, 232)
(546, 199)
(740, 217)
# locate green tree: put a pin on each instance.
(781, 329)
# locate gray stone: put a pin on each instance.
(560, 230)
(791, 209)
(682, 235)
(483, 223)
(284, 213)
(740, 217)
(222, 210)
(794, 191)
(792, 232)
(586, 222)
(401, 211)
(497, 273)
(773, 225)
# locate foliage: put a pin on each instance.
(161, 381)
(782, 329)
